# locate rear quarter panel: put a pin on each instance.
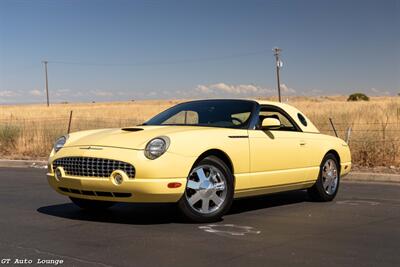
(319, 145)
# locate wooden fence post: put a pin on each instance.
(69, 123)
(333, 126)
(348, 134)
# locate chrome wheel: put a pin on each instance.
(206, 189)
(330, 177)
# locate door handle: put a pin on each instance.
(303, 143)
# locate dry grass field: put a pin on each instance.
(28, 131)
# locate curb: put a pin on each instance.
(372, 177)
(40, 164)
(352, 176)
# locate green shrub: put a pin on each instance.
(8, 136)
(358, 97)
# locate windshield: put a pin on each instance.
(216, 113)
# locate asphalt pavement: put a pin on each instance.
(361, 227)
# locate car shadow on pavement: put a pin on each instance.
(146, 214)
(268, 201)
(123, 213)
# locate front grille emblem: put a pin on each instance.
(91, 147)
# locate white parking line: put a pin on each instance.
(229, 229)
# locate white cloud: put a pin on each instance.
(101, 93)
(286, 89)
(8, 93)
(35, 92)
(379, 92)
(203, 89)
(228, 89)
(314, 92)
(63, 91)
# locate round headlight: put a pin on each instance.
(60, 143)
(156, 147)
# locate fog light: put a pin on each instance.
(58, 174)
(118, 179)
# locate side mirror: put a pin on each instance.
(271, 123)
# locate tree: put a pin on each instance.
(358, 97)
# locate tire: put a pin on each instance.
(209, 191)
(93, 205)
(327, 184)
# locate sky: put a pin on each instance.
(161, 49)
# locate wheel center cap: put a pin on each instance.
(206, 188)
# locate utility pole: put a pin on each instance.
(279, 65)
(47, 81)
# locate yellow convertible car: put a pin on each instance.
(202, 155)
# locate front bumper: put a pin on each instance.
(345, 168)
(130, 190)
(149, 185)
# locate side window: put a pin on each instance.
(183, 117)
(240, 118)
(270, 112)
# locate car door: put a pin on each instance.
(277, 156)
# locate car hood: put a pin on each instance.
(130, 137)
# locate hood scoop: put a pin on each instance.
(132, 129)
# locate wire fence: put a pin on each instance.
(89, 122)
(372, 143)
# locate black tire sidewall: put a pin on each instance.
(319, 184)
(192, 214)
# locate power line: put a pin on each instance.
(167, 62)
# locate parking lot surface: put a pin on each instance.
(361, 227)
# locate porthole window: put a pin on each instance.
(302, 119)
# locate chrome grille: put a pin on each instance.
(92, 167)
